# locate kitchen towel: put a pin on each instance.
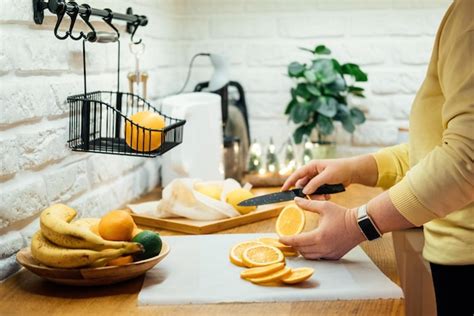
(197, 271)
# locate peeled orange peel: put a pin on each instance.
(291, 221)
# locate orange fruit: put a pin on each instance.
(235, 255)
(116, 225)
(262, 255)
(291, 221)
(275, 243)
(261, 271)
(298, 275)
(120, 261)
(291, 253)
(141, 137)
(275, 276)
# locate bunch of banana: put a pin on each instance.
(63, 244)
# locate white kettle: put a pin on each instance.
(200, 154)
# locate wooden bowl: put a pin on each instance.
(90, 276)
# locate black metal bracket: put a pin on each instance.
(61, 7)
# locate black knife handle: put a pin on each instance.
(324, 189)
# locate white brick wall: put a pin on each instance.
(37, 73)
(391, 40)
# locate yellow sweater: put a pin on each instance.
(431, 179)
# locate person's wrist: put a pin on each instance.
(354, 166)
(353, 227)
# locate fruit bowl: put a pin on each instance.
(90, 276)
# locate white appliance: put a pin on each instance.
(200, 154)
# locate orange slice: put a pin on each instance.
(276, 276)
(235, 255)
(290, 221)
(298, 275)
(291, 253)
(262, 255)
(275, 243)
(261, 271)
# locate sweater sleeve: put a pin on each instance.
(392, 165)
(443, 181)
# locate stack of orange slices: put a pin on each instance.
(265, 258)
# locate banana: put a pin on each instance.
(86, 222)
(56, 226)
(54, 256)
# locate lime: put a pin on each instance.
(151, 242)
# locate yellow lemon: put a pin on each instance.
(212, 191)
(237, 196)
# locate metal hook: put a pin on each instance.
(108, 20)
(85, 16)
(61, 10)
(135, 25)
(73, 17)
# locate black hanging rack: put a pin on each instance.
(61, 7)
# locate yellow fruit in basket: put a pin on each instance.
(235, 255)
(141, 138)
(116, 225)
(261, 271)
(262, 255)
(274, 277)
(212, 191)
(291, 221)
(298, 275)
(237, 196)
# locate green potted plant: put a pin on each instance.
(320, 97)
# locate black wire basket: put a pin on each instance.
(100, 122)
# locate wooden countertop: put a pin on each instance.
(27, 294)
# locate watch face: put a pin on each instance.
(368, 228)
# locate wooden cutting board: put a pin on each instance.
(207, 227)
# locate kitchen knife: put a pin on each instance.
(290, 195)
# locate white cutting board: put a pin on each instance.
(198, 271)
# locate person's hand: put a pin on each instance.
(319, 172)
(336, 234)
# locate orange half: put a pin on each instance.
(291, 221)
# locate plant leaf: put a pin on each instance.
(300, 112)
(302, 90)
(358, 117)
(301, 131)
(324, 70)
(290, 105)
(358, 91)
(313, 90)
(337, 85)
(325, 125)
(310, 75)
(326, 106)
(337, 66)
(348, 124)
(355, 71)
(307, 49)
(322, 50)
(295, 69)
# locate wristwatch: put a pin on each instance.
(366, 224)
